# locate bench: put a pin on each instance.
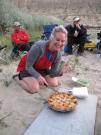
(80, 121)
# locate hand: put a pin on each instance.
(42, 81)
(78, 26)
(75, 34)
(66, 68)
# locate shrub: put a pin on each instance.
(9, 13)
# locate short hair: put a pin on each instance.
(59, 28)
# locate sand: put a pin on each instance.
(18, 109)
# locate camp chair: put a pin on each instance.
(17, 52)
(89, 44)
(47, 29)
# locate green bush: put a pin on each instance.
(9, 14)
(5, 39)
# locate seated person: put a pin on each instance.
(87, 38)
(40, 66)
(99, 40)
(76, 35)
(20, 39)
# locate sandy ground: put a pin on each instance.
(18, 109)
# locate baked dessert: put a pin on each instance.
(62, 101)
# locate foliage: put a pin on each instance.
(3, 15)
(9, 13)
(98, 8)
(35, 35)
(6, 39)
(73, 62)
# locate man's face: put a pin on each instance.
(58, 41)
(17, 28)
(77, 22)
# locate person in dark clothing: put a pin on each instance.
(98, 40)
(76, 35)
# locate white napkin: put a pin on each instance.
(80, 92)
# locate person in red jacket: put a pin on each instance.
(20, 39)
